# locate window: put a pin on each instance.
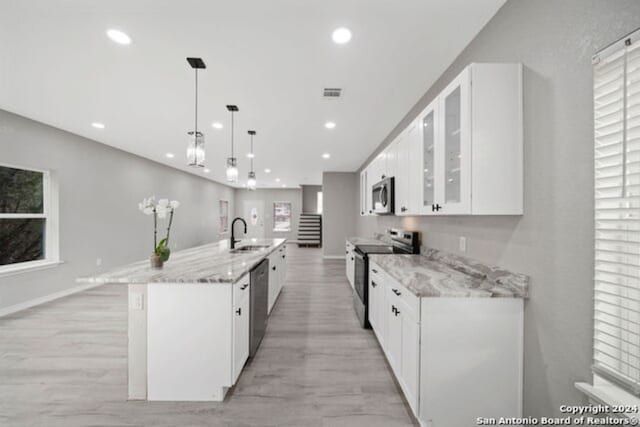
(28, 226)
(224, 216)
(616, 348)
(320, 202)
(282, 216)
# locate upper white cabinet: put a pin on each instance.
(463, 154)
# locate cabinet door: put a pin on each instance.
(390, 157)
(240, 335)
(274, 279)
(401, 189)
(393, 339)
(369, 184)
(414, 168)
(363, 192)
(453, 152)
(429, 130)
(374, 305)
(282, 276)
(410, 358)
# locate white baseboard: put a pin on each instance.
(41, 300)
(333, 256)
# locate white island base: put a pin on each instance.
(187, 341)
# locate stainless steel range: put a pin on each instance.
(404, 242)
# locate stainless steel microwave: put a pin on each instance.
(382, 197)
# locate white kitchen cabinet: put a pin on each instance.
(377, 304)
(472, 144)
(277, 274)
(350, 263)
(463, 155)
(444, 351)
(401, 182)
(241, 292)
(393, 343)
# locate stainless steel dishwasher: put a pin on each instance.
(259, 305)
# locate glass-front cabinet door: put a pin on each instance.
(428, 167)
(453, 152)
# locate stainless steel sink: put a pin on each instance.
(248, 248)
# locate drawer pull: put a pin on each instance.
(397, 292)
(242, 288)
(373, 284)
(374, 270)
(239, 312)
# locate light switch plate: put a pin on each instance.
(137, 301)
(462, 245)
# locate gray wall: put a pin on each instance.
(340, 205)
(310, 198)
(553, 241)
(99, 191)
(268, 196)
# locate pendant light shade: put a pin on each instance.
(251, 182)
(195, 149)
(232, 162)
(195, 139)
(251, 178)
(232, 169)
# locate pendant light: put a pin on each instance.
(251, 181)
(195, 141)
(232, 162)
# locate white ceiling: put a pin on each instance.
(271, 58)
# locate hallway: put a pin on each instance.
(315, 367)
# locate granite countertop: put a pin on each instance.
(439, 274)
(366, 241)
(212, 263)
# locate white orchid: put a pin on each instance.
(148, 206)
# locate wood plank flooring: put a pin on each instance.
(64, 363)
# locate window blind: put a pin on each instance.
(616, 92)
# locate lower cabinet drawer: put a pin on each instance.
(409, 300)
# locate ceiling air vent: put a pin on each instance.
(332, 92)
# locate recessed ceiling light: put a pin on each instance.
(118, 36)
(341, 35)
(207, 170)
(170, 155)
(250, 155)
(97, 125)
(267, 170)
(326, 155)
(284, 185)
(217, 125)
(330, 125)
(277, 179)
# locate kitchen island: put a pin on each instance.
(188, 323)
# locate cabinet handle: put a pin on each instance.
(239, 311)
(403, 209)
(384, 176)
(393, 309)
(373, 284)
(374, 270)
(438, 207)
(347, 252)
(351, 258)
(370, 211)
(397, 312)
(433, 208)
(273, 268)
(244, 287)
(397, 292)
(282, 256)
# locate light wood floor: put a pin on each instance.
(64, 363)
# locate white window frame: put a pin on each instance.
(50, 212)
(282, 230)
(608, 388)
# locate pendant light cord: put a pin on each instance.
(232, 134)
(196, 129)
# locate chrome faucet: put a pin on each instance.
(233, 236)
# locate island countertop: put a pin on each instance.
(211, 263)
(439, 274)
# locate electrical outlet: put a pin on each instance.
(137, 301)
(462, 244)
(98, 262)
